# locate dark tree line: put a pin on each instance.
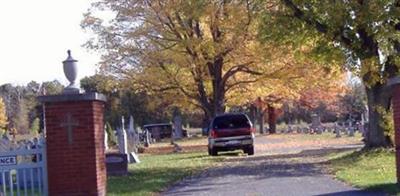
(123, 100)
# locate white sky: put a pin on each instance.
(35, 36)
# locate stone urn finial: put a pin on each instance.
(71, 72)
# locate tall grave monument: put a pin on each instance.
(133, 137)
(122, 138)
(75, 139)
(133, 142)
(117, 162)
(177, 132)
(316, 123)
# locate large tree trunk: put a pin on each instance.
(218, 86)
(378, 101)
(214, 104)
(271, 119)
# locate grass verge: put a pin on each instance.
(328, 136)
(182, 142)
(371, 170)
(156, 172)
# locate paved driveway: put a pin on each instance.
(296, 170)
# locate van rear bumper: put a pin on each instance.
(236, 142)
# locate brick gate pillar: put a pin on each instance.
(394, 83)
(75, 144)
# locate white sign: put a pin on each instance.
(8, 160)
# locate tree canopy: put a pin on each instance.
(363, 33)
(205, 54)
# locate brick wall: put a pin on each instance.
(396, 117)
(77, 168)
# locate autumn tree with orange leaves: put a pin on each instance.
(201, 54)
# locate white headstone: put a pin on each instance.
(105, 138)
(132, 136)
(146, 138)
(126, 139)
(122, 139)
(361, 125)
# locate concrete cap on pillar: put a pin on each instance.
(73, 97)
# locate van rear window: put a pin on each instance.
(231, 121)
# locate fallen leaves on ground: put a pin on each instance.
(264, 143)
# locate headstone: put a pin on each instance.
(133, 142)
(105, 139)
(315, 121)
(132, 136)
(147, 138)
(117, 164)
(337, 130)
(360, 127)
(318, 130)
(351, 129)
(131, 129)
(362, 124)
(122, 140)
(177, 133)
(289, 129)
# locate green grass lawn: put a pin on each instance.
(156, 172)
(373, 170)
(182, 142)
(328, 136)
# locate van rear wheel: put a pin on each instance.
(212, 151)
(249, 150)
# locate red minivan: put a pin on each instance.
(231, 131)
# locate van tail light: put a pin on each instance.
(253, 130)
(214, 133)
